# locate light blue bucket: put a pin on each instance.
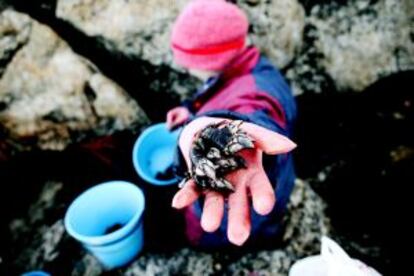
(36, 273)
(98, 209)
(153, 152)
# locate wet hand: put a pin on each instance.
(250, 182)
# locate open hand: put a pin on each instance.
(251, 181)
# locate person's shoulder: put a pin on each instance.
(264, 66)
(242, 83)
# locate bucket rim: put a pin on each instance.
(116, 235)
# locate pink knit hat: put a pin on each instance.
(208, 34)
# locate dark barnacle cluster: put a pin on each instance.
(214, 154)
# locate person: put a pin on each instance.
(209, 39)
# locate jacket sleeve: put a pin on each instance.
(259, 108)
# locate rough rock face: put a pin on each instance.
(276, 27)
(49, 96)
(14, 32)
(134, 28)
(47, 245)
(305, 223)
(344, 47)
(354, 45)
(142, 28)
(362, 42)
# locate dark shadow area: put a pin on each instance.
(358, 148)
(309, 4)
(78, 168)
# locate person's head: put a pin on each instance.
(207, 36)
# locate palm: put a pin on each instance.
(251, 181)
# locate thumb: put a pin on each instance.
(269, 141)
(171, 115)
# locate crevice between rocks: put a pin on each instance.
(136, 76)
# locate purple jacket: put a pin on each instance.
(253, 90)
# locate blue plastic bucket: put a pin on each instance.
(102, 208)
(36, 273)
(153, 153)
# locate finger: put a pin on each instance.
(181, 118)
(171, 126)
(170, 119)
(239, 226)
(269, 141)
(186, 196)
(212, 212)
(263, 195)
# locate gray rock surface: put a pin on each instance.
(46, 242)
(276, 27)
(362, 42)
(14, 32)
(49, 95)
(305, 223)
(141, 29)
(42, 240)
(351, 46)
(133, 28)
(354, 45)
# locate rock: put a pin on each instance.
(50, 96)
(14, 32)
(46, 245)
(276, 27)
(135, 29)
(38, 241)
(362, 42)
(142, 29)
(88, 265)
(183, 262)
(305, 223)
(358, 43)
(3, 5)
(306, 74)
(252, 2)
